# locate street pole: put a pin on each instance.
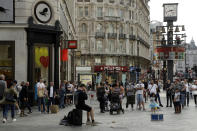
(170, 42)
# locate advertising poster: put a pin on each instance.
(85, 78)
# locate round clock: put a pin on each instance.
(43, 12)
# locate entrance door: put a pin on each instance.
(42, 66)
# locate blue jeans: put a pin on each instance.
(50, 102)
(6, 107)
(41, 102)
(62, 101)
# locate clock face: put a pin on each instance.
(43, 12)
(170, 10)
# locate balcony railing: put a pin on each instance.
(122, 36)
(112, 18)
(100, 35)
(132, 37)
(112, 35)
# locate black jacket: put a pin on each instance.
(48, 90)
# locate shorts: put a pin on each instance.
(140, 98)
(84, 107)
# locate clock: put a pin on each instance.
(170, 12)
(43, 12)
(7, 11)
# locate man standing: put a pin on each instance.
(41, 96)
(168, 93)
(51, 95)
(139, 92)
(82, 96)
(3, 86)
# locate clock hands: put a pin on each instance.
(44, 12)
(2, 9)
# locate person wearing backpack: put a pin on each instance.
(80, 104)
(101, 97)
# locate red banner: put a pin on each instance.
(64, 55)
(111, 68)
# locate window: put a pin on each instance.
(99, 28)
(122, 2)
(83, 61)
(87, 0)
(131, 30)
(84, 44)
(86, 11)
(99, 44)
(121, 13)
(97, 61)
(79, 0)
(111, 28)
(111, 12)
(121, 30)
(111, 61)
(111, 45)
(111, 1)
(100, 12)
(80, 12)
(99, 0)
(130, 15)
(84, 28)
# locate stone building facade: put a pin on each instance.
(30, 39)
(113, 35)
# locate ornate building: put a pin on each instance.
(113, 35)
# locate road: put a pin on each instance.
(130, 121)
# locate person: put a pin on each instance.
(18, 90)
(139, 93)
(3, 85)
(168, 93)
(194, 91)
(118, 88)
(145, 90)
(9, 100)
(82, 96)
(153, 105)
(69, 93)
(158, 93)
(24, 100)
(177, 105)
(100, 92)
(187, 90)
(51, 95)
(130, 89)
(62, 92)
(182, 93)
(41, 96)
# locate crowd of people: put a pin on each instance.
(22, 96)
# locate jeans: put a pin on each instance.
(183, 98)
(187, 95)
(50, 102)
(6, 108)
(62, 101)
(169, 97)
(41, 102)
(158, 97)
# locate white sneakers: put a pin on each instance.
(19, 112)
(4, 120)
(13, 120)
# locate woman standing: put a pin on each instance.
(130, 88)
(9, 100)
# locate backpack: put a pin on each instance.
(74, 117)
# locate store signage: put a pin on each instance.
(72, 44)
(170, 53)
(83, 68)
(111, 68)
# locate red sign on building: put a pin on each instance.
(72, 44)
(110, 68)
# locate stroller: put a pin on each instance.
(115, 104)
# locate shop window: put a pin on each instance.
(42, 63)
(7, 61)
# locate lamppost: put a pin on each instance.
(170, 49)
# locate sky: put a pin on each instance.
(187, 15)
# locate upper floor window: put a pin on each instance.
(121, 13)
(80, 12)
(99, 45)
(79, 0)
(121, 30)
(86, 11)
(87, 0)
(99, 11)
(111, 1)
(111, 28)
(84, 28)
(99, 0)
(97, 60)
(111, 12)
(122, 2)
(99, 28)
(84, 44)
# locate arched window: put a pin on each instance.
(99, 28)
(84, 28)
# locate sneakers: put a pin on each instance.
(4, 120)
(19, 112)
(88, 123)
(14, 119)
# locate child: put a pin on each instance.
(153, 105)
(177, 105)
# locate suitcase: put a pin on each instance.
(76, 117)
(54, 109)
(156, 117)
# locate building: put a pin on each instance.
(155, 40)
(113, 37)
(190, 58)
(31, 35)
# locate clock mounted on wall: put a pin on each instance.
(43, 12)
(7, 11)
(170, 12)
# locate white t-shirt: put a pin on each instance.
(139, 86)
(177, 96)
(51, 91)
(152, 88)
(194, 92)
(40, 85)
(187, 87)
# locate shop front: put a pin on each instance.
(111, 73)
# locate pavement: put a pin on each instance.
(130, 121)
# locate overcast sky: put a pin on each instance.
(187, 15)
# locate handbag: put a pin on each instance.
(10, 97)
(40, 93)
